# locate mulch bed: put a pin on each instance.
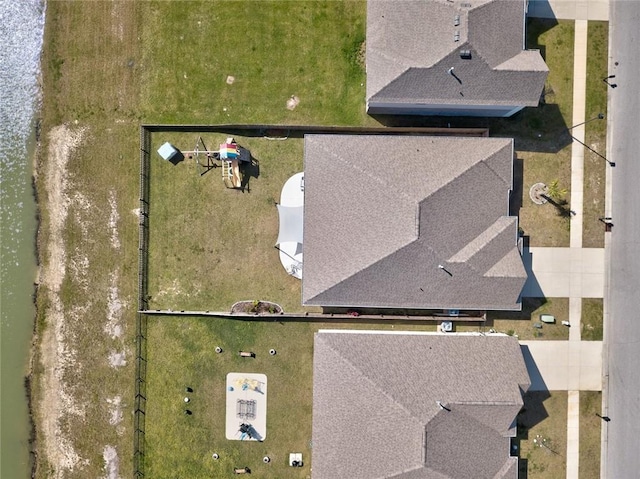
(256, 307)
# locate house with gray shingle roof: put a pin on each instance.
(450, 57)
(408, 405)
(410, 222)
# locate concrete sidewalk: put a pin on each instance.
(576, 368)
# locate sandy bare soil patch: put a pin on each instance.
(56, 354)
(110, 456)
(113, 220)
(113, 327)
(292, 102)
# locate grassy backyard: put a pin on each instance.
(273, 50)
(182, 354)
(228, 254)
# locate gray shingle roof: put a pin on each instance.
(375, 410)
(382, 212)
(411, 45)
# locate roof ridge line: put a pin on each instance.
(477, 244)
(492, 170)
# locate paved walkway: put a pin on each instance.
(573, 434)
(576, 369)
(577, 148)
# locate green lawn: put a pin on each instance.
(181, 353)
(595, 135)
(542, 434)
(520, 323)
(590, 437)
(273, 49)
(211, 246)
(591, 321)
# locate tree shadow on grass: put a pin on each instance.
(561, 206)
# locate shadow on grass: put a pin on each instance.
(532, 413)
(248, 170)
(523, 467)
(178, 157)
(539, 129)
(529, 305)
(515, 201)
(561, 206)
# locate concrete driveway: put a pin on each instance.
(563, 365)
(564, 272)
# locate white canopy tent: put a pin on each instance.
(290, 210)
(290, 224)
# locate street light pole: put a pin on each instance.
(611, 163)
(599, 117)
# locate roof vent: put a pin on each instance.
(456, 36)
(465, 5)
(456, 20)
(465, 54)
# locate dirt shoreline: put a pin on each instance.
(28, 380)
(49, 399)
